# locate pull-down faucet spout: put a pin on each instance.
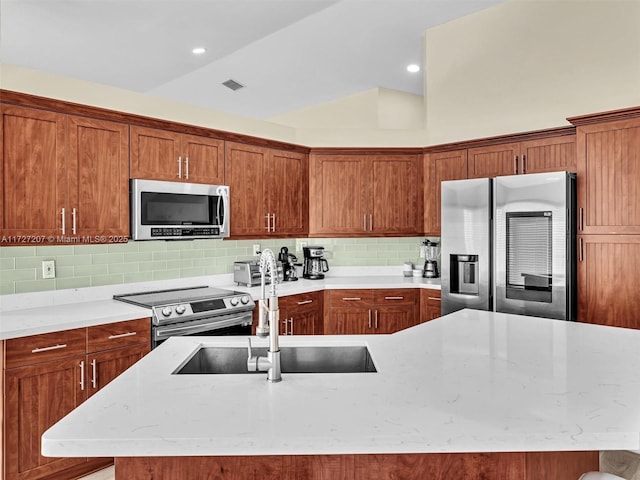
(268, 320)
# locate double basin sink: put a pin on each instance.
(307, 359)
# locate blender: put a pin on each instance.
(431, 252)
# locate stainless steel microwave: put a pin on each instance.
(178, 210)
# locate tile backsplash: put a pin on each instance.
(78, 266)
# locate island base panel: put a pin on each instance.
(435, 466)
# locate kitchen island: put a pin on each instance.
(470, 395)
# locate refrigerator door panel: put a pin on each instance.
(466, 245)
(533, 245)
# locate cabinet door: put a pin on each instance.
(548, 155)
(203, 160)
(38, 396)
(304, 323)
(155, 154)
(431, 304)
(395, 195)
(608, 177)
(349, 321)
(33, 183)
(493, 160)
(98, 177)
(244, 165)
(608, 267)
(286, 191)
(440, 167)
(338, 195)
(105, 366)
(393, 318)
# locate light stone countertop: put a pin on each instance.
(470, 381)
(43, 312)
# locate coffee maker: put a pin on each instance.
(288, 260)
(314, 263)
(431, 252)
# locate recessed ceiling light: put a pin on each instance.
(198, 50)
(413, 68)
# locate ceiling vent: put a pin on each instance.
(233, 85)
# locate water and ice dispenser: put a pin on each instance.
(464, 274)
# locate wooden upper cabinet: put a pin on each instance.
(268, 189)
(165, 155)
(534, 156)
(63, 176)
(99, 177)
(609, 177)
(439, 167)
(365, 195)
(33, 180)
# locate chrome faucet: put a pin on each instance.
(268, 320)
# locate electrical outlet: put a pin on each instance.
(300, 244)
(256, 249)
(48, 269)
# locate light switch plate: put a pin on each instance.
(48, 269)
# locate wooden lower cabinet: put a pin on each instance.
(431, 304)
(360, 311)
(47, 376)
(440, 466)
(301, 314)
(608, 267)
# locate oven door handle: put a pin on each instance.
(203, 325)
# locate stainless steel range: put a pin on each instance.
(194, 311)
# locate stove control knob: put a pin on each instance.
(245, 299)
(166, 311)
(234, 301)
(180, 309)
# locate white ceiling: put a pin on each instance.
(289, 54)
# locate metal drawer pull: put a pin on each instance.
(47, 349)
(122, 335)
(434, 298)
(304, 302)
(82, 375)
(394, 298)
(351, 299)
(94, 374)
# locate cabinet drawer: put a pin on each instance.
(116, 335)
(348, 298)
(45, 347)
(307, 301)
(395, 296)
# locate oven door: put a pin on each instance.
(233, 324)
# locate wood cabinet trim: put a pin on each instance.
(610, 115)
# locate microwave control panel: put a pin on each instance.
(184, 232)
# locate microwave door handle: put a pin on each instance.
(224, 199)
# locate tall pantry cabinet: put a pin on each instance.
(608, 166)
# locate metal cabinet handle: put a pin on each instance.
(122, 335)
(376, 320)
(285, 326)
(437, 299)
(581, 219)
(580, 251)
(364, 220)
(273, 217)
(291, 324)
(351, 299)
(371, 222)
(515, 164)
(524, 164)
(63, 221)
(186, 168)
(48, 349)
(74, 215)
(305, 302)
(394, 298)
(82, 375)
(94, 374)
(369, 318)
(268, 217)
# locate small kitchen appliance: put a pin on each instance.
(288, 261)
(431, 252)
(315, 265)
(247, 273)
(194, 311)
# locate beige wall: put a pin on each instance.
(63, 88)
(527, 65)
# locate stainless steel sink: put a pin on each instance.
(331, 359)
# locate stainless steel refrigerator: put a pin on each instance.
(508, 245)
